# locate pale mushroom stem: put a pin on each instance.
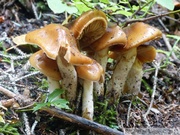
(53, 84)
(117, 82)
(101, 57)
(69, 78)
(134, 79)
(87, 100)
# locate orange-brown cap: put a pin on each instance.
(114, 36)
(45, 65)
(50, 38)
(89, 27)
(146, 53)
(138, 33)
(92, 72)
(54, 39)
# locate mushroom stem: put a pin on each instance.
(53, 84)
(133, 82)
(69, 78)
(87, 100)
(101, 57)
(117, 82)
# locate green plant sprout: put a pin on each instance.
(53, 101)
(8, 129)
(106, 115)
(148, 88)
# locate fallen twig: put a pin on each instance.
(102, 129)
(82, 122)
(7, 92)
(150, 18)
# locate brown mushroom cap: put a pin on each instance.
(54, 39)
(50, 38)
(92, 72)
(114, 36)
(138, 33)
(45, 65)
(146, 53)
(89, 27)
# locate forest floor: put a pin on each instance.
(164, 115)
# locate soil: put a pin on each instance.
(17, 18)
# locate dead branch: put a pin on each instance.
(82, 122)
(8, 93)
(150, 18)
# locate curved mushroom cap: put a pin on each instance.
(92, 72)
(45, 65)
(114, 36)
(50, 38)
(54, 39)
(89, 27)
(146, 53)
(139, 33)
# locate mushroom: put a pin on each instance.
(48, 67)
(58, 44)
(89, 73)
(114, 36)
(137, 33)
(145, 54)
(124, 61)
(88, 27)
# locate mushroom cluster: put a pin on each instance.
(78, 53)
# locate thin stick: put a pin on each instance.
(152, 96)
(26, 124)
(34, 126)
(128, 113)
(7, 92)
(140, 8)
(169, 46)
(150, 18)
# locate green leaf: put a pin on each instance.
(105, 1)
(54, 94)
(57, 6)
(123, 12)
(81, 7)
(169, 4)
(39, 106)
(53, 101)
(61, 104)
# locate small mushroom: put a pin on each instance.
(137, 34)
(58, 44)
(89, 73)
(114, 36)
(88, 27)
(48, 67)
(145, 54)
